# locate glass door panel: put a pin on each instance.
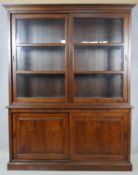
(98, 58)
(98, 30)
(40, 86)
(98, 86)
(40, 52)
(40, 31)
(40, 58)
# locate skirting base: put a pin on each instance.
(69, 166)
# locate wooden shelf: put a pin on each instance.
(40, 72)
(98, 44)
(63, 72)
(41, 45)
(98, 72)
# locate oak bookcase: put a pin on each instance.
(69, 87)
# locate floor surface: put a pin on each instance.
(4, 171)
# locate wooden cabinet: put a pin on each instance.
(69, 105)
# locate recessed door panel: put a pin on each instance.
(99, 135)
(40, 136)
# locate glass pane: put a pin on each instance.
(98, 30)
(98, 86)
(40, 31)
(98, 58)
(40, 86)
(40, 58)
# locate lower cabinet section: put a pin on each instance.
(94, 140)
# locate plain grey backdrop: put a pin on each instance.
(4, 80)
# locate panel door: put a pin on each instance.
(99, 136)
(40, 136)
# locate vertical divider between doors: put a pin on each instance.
(70, 60)
(67, 58)
(70, 80)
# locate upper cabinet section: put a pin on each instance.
(103, 30)
(70, 55)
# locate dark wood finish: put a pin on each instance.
(70, 106)
(70, 8)
(69, 84)
(120, 166)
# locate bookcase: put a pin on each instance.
(69, 106)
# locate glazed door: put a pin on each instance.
(40, 136)
(74, 58)
(39, 56)
(99, 136)
(99, 47)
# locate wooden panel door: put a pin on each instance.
(40, 136)
(99, 136)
